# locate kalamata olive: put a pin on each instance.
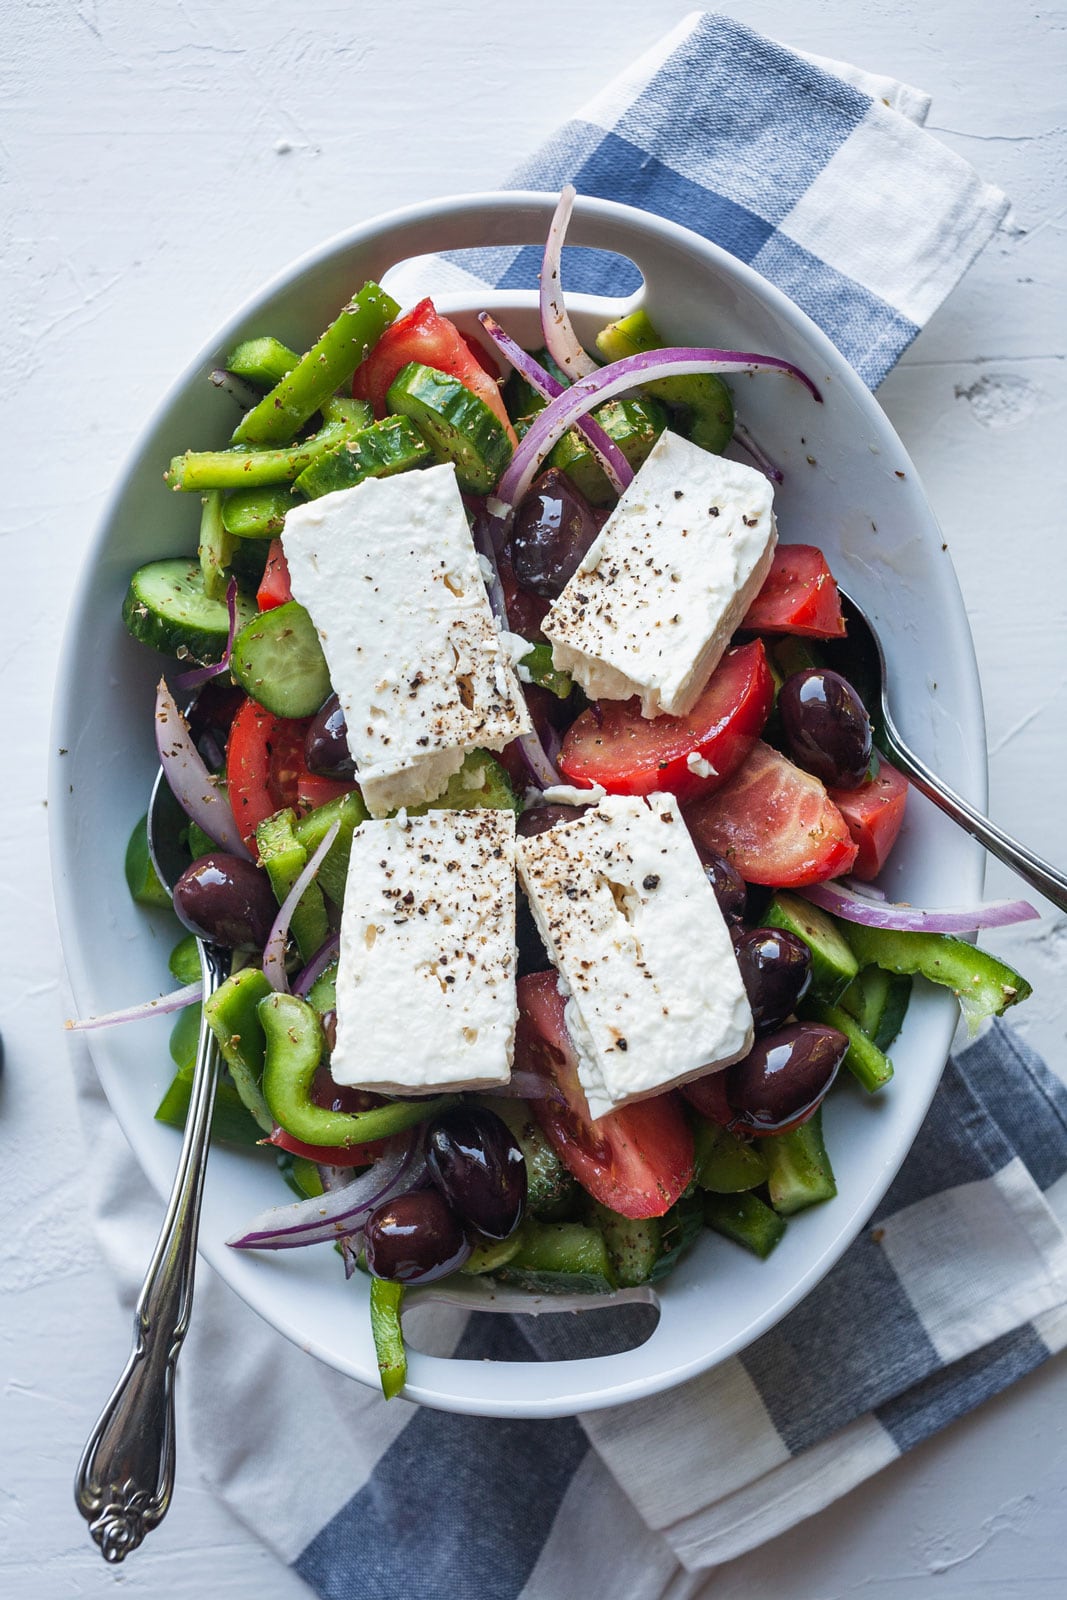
(326, 742)
(227, 901)
(553, 529)
(776, 972)
(415, 1238)
(531, 955)
(538, 818)
(708, 1096)
(338, 1097)
(784, 1076)
(827, 727)
(729, 886)
(479, 1169)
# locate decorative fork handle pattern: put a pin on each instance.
(125, 1479)
(1030, 867)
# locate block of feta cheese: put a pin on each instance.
(389, 573)
(651, 609)
(426, 971)
(643, 953)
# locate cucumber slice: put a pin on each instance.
(703, 402)
(725, 1163)
(799, 1173)
(142, 880)
(490, 1254)
(866, 1062)
(456, 424)
(634, 1245)
(551, 1192)
(349, 811)
(263, 361)
(380, 451)
(166, 607)
(257, 513)
(560, 1258)
(679, 1228)
(878, 1000)
(745, 1219)
(634, 424)
(833, 963)
(984, 986)
(278, 660)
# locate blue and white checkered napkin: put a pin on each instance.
(822, 178)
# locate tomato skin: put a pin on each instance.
(799, 595)
(776, 824)
(614, 745)
(328, 1155)
(274, 587)
(873, 815)
(265, 769)
(637, 1161)
(421, 334)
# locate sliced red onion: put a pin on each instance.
(246, 394)
(322, 958)
(562, 413)
(521, 1086)
(176, 1001)
(196, 790)
(540, 764)
(618, 470)
(340, 1212)
(274, 949)
(871, 913)
(334, 1178)
(745, 439)
(193, 680)
(561, 341)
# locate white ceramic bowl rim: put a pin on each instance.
(676, 1350)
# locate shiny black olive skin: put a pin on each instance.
(326, 742)
(827, 727)
(529, 946)
(415, 1239)
(479, 1169)
(538, 818)
(227, 901)
(776, 971)
(784, 1077)
(554, 527)
(729, 886)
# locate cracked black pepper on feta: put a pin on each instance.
(654, 995)
(391, 579)
(426, 970)
(652, 607)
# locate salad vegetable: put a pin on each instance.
(762, 778)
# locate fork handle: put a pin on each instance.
(125, 1478)
(1037, 872)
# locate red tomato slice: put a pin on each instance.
(775, 823)
(613, 744)
(274, 587)
(265, 769)
(637, 1161)
(799, 595)
(873, 815)
(422, 335)
(328, 1155)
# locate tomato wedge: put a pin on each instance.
(873, 816)
(637, 1161)
(613, 744)
(775, 823)
(274, 587)
(422, 335)
(799, 595)
(265, 769)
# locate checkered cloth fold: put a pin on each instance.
(821, 177)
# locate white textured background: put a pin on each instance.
(157, 162)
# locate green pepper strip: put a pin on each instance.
(216, 547)
(385, 1302)
(253, 469)
(282, 413)
(294, 1049)
(232, 1015)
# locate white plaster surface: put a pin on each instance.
(157, 162)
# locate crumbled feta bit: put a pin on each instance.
(699, 765)
(651, 609)
(426, 972)
(565, 794)
(633, 926)
(390, 576)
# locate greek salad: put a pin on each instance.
(524, 773)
